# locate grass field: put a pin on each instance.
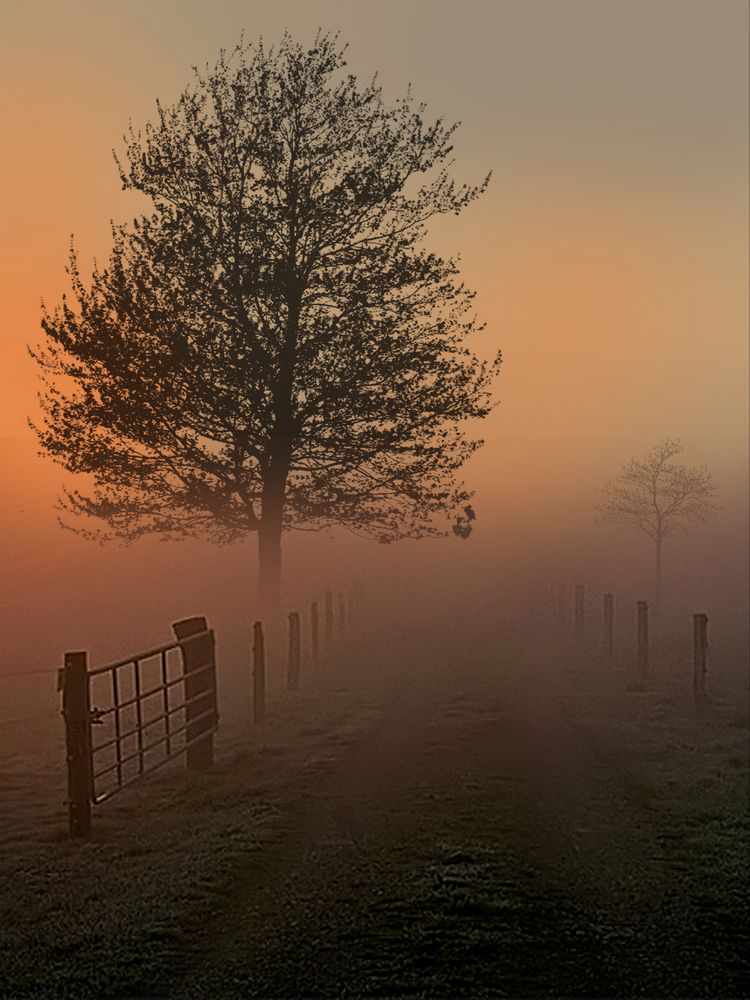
(112, 916)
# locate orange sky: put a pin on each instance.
(609, 254)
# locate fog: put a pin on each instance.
(63, 592)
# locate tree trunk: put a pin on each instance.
(657, 601)
(280, 459)
(269, 566)
(271, 521)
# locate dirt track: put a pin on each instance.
(476, 842)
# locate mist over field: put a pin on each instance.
(63, 593)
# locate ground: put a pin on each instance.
(485, 819)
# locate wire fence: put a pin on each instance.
(27, 673)
(42, 717)
(140, 712)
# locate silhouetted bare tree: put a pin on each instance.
(660, 497)
(271, 346)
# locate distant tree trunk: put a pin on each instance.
(657, 602)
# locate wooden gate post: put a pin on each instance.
(609, 628)
(259, 676)
(77, 716)
(643, 658)
(579, 611)
(562, 617)
(700, 645)
(200, 690)
(314, 634)
(292, 677)
(328, 625)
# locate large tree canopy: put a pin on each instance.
(272, 346)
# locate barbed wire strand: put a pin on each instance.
(28, 718)
(25, 673)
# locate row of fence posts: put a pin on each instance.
(700, 635)
(294, 659)
(196, 642)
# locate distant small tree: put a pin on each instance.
(659, 497)
(272, 347)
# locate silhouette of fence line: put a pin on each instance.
(642, 654)
(297, 625)
(129, 750)
(144, 727)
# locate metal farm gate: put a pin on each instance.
(128, 718)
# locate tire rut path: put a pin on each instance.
(474, 844)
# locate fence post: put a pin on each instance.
(77, 716)
(292, 677)
(562, 616)
(314, 634)
(200, 690)
(609, 628)
(700, 645)
(328, 625)
(643, 660)
(259, 675)
(579, 611)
